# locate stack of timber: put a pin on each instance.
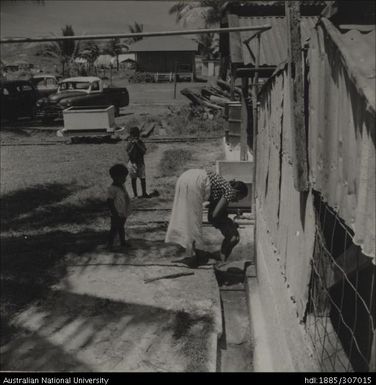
(212, 99)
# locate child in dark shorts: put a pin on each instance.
(136, 150)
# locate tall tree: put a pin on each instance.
(114, 48)
(208, 45)
(90, 51)
(136, 28)
(208, 11)
(64, 50)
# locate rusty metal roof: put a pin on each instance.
(273, 49)
(272, 7)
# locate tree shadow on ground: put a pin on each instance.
(44, 354)
(142, 252)
(23, 201)
(30, 265)
(105, 334)
(38, 213)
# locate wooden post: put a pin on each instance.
(255, 90)
(232, 83)
(175, 80)
(295, 74)
(244, 120)
(372, 366)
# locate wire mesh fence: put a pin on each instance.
(340, 318)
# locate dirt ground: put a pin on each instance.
(53, 207)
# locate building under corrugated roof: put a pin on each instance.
(103, 61)
(273, 42)
(164, 43)
(273, 7)
(165, 54)
(124, 57)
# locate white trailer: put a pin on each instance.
(89, 121)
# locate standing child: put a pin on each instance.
(119, 203)
(136, 150)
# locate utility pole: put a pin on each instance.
(175, 79)
(244, 120)
(296, 89)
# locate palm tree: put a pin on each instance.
(136, 28)
(209, 11)
(64, 50)
(90, 51)
(208, 45)
(114, 48)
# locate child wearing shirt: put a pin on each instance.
(119, 204)
(136, 150)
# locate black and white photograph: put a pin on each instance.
(187, 187)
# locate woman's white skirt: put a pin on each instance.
(191, 191)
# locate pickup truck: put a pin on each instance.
(81, 91)
(45, 84)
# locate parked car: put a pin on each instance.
(45, 84)
(81, 91)
(18, 99)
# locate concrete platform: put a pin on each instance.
(103, 316)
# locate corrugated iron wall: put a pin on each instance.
(315, 233)
(288, 213)
(341, 141)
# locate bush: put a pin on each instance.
(173, 161)
(189, 120)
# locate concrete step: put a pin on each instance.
(104, 317)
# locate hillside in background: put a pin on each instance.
(33, 53)
(29, 53)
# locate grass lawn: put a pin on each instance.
(53, 203)
(53, 197)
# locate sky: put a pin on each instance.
(29, 19)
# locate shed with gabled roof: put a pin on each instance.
(165, 54)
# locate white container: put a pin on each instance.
(89, 120)
(231, 145)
